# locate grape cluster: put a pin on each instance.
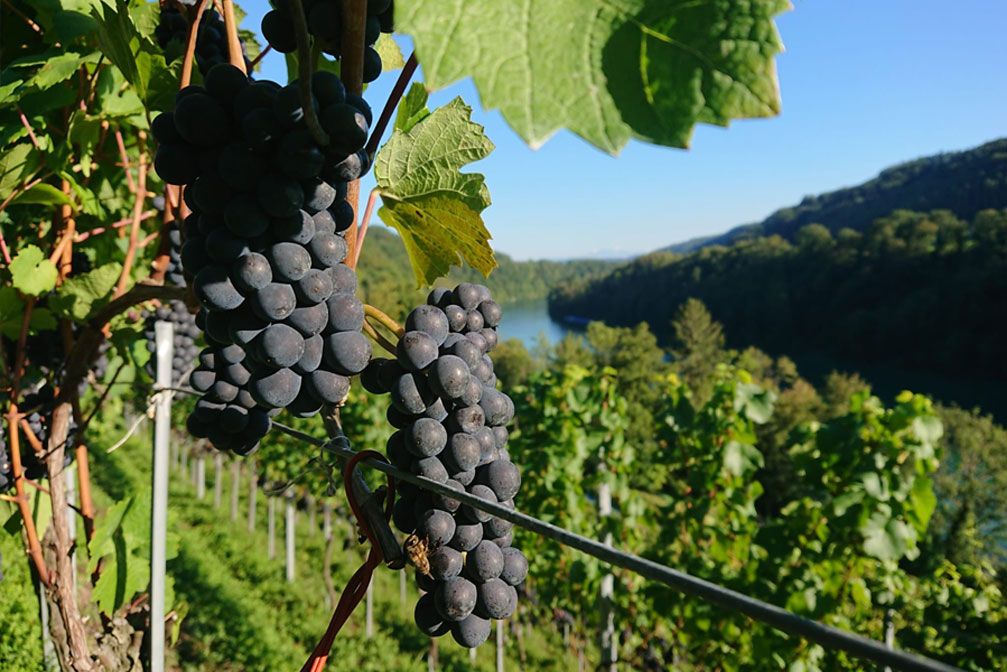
(325, 23)
(452, 428)
(186, 333)
(211, 42)
(264, 245)
(38, 407)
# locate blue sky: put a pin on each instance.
(866, 83)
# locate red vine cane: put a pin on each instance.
(356, 587)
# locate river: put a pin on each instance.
(527, 321)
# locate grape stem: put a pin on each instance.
(393, 101)
(124, 161)
(385, 321)
(262, 54)
(385, 344)
(352, 72)
(234, 54)
(190, 46)
(362, 228)
(305, 64)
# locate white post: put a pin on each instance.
(218, 479)
(289, 534)
(609, 644)
(201, 476)
(472, 656)
(164, 338)
(235, 482)
(326, 520)
(369, 622)
(312, 522)
(402, 588)
(253, 486)
(500, 646)
(271, 527)
(889, 632)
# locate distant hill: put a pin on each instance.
(963, 182)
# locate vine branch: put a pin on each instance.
(372, 199)
(352, 73)
(134, 233)
(234, 53)
(304, 67)
(383, 318)
(190, 46)
(393, 101)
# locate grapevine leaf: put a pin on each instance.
(608, 70)
(17, 163)
(412, 108)
(56, 70)
(116, 31)
(70, 25)
(31, 272)
(43, 194)
(76, 297)
(391, 55)
(435, 207)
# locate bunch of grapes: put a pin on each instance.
(211, 42)
(452, 428)
(264, 244)
(186, 333)
(325, 23)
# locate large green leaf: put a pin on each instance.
(31, 272)
(435, 207)
(17, 163)
(608, 70)
(75, 297)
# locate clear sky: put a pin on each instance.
(866, 83)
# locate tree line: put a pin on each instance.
(919, 291)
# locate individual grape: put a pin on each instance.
(411, 394)
(327, 250)
(276, 389)
(279, 196)
(328, 387)
(346, 126)
(430, 320)
(474, 514)
(346, 312)
(251, 272)
(312, 357)
(515, 567)
(274, 302)
(463, 452)
(446, 563)
(502, 477)
(309, 320)
(471, 632)
(496, 600)
(417, 350)
(289, 261)
(347, 352)
(245, 326)
(427, 618)
(484, 562)
(455, 598)
(223, 247)
(201, 120)
(467, 536)
(445, 503)
(280, 346)
(278, 29)
(427, 437)
(449, 376)
(437, 527)
(244, 218)
(433, 469)
(215, 290)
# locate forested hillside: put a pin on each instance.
(389, 281)
(923, 291)
(963, 182)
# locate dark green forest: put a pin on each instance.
(965, 183)
(915, 291)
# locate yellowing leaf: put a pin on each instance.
(391, 55)
(435, 207)
(608, 70)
